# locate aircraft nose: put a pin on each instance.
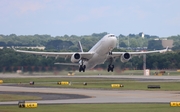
(114, 40)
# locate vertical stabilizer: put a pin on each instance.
(80, 46)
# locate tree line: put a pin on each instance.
(61, 43)
(12, 61)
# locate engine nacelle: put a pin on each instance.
(125, 57)
(75, 57)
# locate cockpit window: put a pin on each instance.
(111, 36)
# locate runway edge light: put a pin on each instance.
(23, 104)
(31, 105)
(1, 81)
(116, 85)
(175, 104)
(63, 83)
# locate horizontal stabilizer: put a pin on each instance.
(71, 64)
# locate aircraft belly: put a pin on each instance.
(101, 50)
(95, 60)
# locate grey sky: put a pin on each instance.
(84, 17)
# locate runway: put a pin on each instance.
(100, 96)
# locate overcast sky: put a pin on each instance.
(84, 17)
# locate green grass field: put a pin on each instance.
(93, 83)
(94, 108)
(103, 72)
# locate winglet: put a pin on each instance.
(16, 50)
(13, 48)
(80, 46)
(165, 50)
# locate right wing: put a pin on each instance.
(84, 55)
(126, 56)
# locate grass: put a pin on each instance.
(94, 108)
(103, 72)
(94, 83)
(120, 72)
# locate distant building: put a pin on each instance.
(168, 43)
(156, 39)
(142, 35)
(35, 47)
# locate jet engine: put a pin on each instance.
(75, 57)
(125, 57)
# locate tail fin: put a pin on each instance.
(80, 46)
(167, 48)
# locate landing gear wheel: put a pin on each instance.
(110, 53)
(82, 68)
(110, 68)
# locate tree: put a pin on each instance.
(122, 44)
(59, 45)
(155, 44)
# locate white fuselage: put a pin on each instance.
(101, 51)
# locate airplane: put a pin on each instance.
(98, 54)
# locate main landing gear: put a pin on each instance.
(82, 67)
(110, 66)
